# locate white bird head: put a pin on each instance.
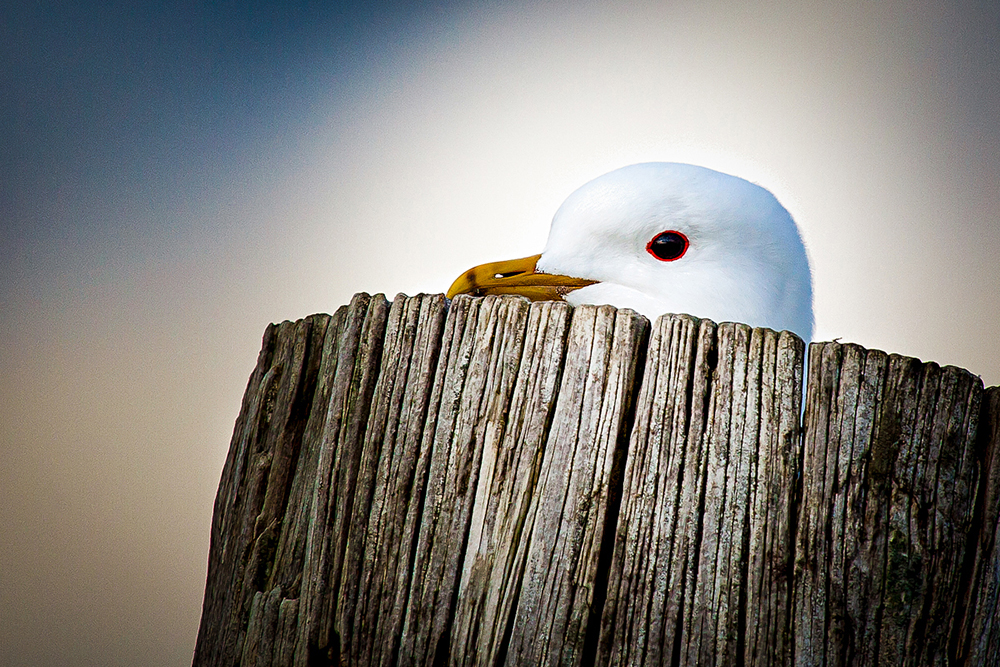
(662, 238)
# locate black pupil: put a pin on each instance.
(668, 245)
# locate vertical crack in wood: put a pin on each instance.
(468, 459)
(517, 551)
(752, 442)
(493, 573)
(375, 574)
(696, 478)
(352, 356)
(784, 631)
(615, 488)
(571, 499)
(641, 617)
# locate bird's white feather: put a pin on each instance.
(746, 261)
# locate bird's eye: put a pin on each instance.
(668, 246)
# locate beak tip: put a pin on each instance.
(460, 286)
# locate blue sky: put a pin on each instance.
(175, 176)
(144, 103)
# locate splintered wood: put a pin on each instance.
(490, 482)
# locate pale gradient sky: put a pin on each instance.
(173, 178)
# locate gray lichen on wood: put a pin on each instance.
(488, 481)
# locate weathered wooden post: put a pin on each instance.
(493, 482)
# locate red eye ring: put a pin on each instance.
(668, 246)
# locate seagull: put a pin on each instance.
(665, 237)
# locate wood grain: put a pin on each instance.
(494, 561)
(574, 497)
(489, 482)
(472, 397)
(389, 488)
(254, 484)
(976, 639)
(703, 549)
(890, 475)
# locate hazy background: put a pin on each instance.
(173, 177)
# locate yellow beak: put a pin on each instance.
(516, 276)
